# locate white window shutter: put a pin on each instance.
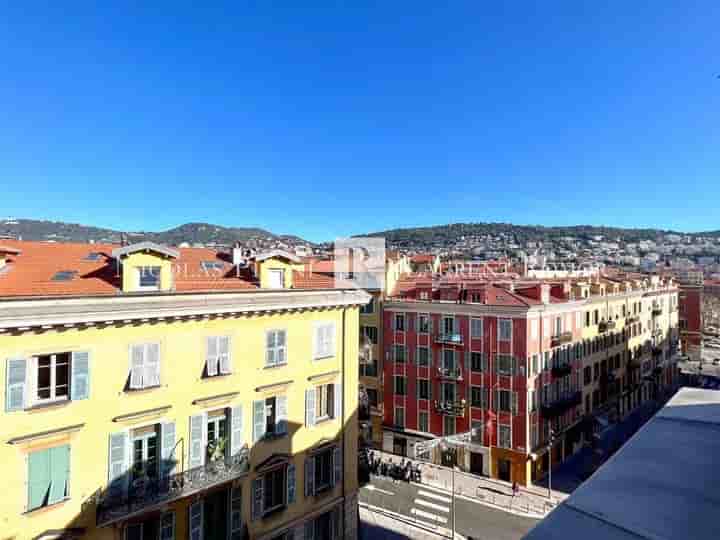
(167, 448)
(281, 356)
(80, 381)
(152, 365)
(118, 462)
(137, 365)
(16, 394)
(196, 520)
(337, 406)
(211, 357)
(225, 356)
(290, 484)
(310, 407)
(198, 427)
(331, 339)
(259, 420)
(236, 429)
(317, 341)
(282, 414)
(337, 465)
(270, 359)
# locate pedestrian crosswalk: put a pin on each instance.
(431, 507)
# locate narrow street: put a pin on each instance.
(433, 508)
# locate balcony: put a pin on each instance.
(449, 338)
(452, 373)
(604, 326)
(561, 339)
(559, 406)
(451, 408)
(114, 504)
(561, 370)
(656, 311)
(632, 320)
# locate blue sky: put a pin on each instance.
(337, 118)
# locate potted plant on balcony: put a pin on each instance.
(216, 451)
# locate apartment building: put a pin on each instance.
(497, 364)
(152, 392)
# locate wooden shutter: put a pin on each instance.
(225, 356)
(80, 382)
(118, 462)
(196, 520)
(257, 502)
(137, 363)
(270, 359)
(309, 476)
(15, 386)
(235, 520)
(198, 426)
(282, 415)
(211, 356)
(281, 355)
(259, 420)
(152, 365)
(290, 484)
(236, 429)
(59, 473)
(337, 406)
(310, 407)
(38, 478)
(167, 448)
(337, 465)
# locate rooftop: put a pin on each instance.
(663, 483)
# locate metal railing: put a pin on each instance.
(450, 408)
(452, 338)
(454, 373)
(560, 339)
(115, 503)
(559, 406)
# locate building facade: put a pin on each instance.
(159, 393)
(503, 363)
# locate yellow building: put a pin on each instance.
(160, 393)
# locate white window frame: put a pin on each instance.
(35, 398)
(323, 403)
(502, 443)
(323, 340)
(425, 316)
(395, 416)
(276, 348)
(454, 421)
(399, 316)
(427, 424)
(501, 323)
(141, 270)
(475, 324)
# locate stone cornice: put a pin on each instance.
(26, 314)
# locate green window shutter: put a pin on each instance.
(80, 384)
(15, 388)
(59, 473)
(39, 478)
(259, 420)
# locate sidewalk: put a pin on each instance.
(532, 501)
(378, 523)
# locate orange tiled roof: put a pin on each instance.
(30, 273)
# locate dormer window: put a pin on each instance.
(149, 278)
(64, 275)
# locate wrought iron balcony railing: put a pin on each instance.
(559, 406)
(561, 339)
(450, 408)
(453, 373)
(633, 319)
(451, 338)
(656, 311)
(115, 503)
(561, 370)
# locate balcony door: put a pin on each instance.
(448, 325)
(215, 515)
(448, 359)
(448, 392)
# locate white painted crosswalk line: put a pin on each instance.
(435, 496)
(428, 516)
(434, 506)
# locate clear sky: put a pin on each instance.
(337, 118)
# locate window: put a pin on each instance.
(476, 328)
(369, 308)
(371, 332)
(448, 425)
(145, 454)
(449, 325)
(423, 324)
(476, 432)
(558, 326)
(532, 400)
(324, 344)
(274, 490)
(144, 366)
(423, 422)
(400, 417)
(212, 267)
(324, 402)
(400, 385)
(587, 375)
(48, 476)
(149, 277)
(217, 361)
(271, 416)
(400, 322)
(504, 398)
(478, 362)
(504, 436)
(596, 371)
(323, 470)
(150, 528)
(504, 364)
(448, 391)
(423, 388)
(276, 348)
(399, 354)
(505, 331)
(449, 359)
(53, 377)
(372, 395)
(423, 356)
(476, 396)
(216, 434)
